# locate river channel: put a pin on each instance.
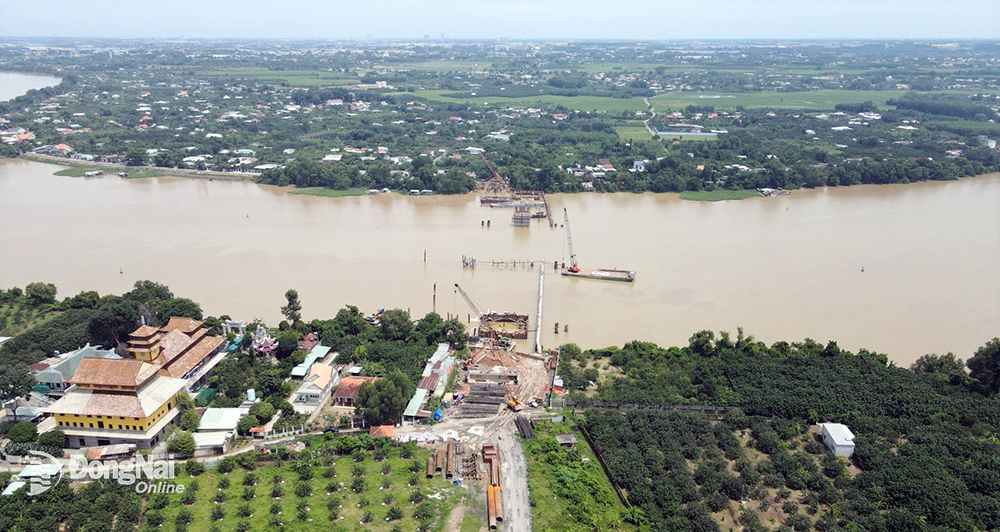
(783, 268)
(14, 84)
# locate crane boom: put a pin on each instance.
(569, 242)
(468, 300)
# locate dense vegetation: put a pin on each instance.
(335, 484)
(926, 437)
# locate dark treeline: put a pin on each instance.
(945, 105)
(926, 447)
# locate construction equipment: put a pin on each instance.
(573, 266)
(497, 187)
(472, 304)
(513, 402)
(600, 274)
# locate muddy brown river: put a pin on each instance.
(782, 268)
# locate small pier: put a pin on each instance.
(471, 263)
(538, 316)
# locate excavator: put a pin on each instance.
(513, 402)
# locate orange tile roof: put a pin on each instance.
(172, 344)
(186, 325)
(349, 386)
(114, 404)
(381, 431)
(181, 365)
(320, 376)
(112, 372)
(144, 332)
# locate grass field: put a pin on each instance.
(317, 516)
(549, 511)
(471, 522)
(583, 103)
(311, 78)
(329, 192)
(717, 195)
(79, 171)
(821, 99)
(633, 133)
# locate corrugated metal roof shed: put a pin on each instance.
(414, 405)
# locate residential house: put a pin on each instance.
(318, 352)
(316, 386)
(347, 391)
(52, 373)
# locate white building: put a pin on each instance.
(838, 438)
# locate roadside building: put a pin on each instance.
(316, 386)
(220, 420)
(212, 443)
(838, 438)
(46, 473)
(414, 408)
(347, 391)
(317, 353)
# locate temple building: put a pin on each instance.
(117, 401)
(133, 401)
(182, 348)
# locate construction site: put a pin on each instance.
(475, 444)
(496, 192)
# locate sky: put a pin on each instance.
(514, 19)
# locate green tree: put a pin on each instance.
(181, 443)
(396, 325)
(135, 157)
(113, 322)
(984, 366)
(54, 439)
(246, 423)
(23, 432)
(383, 402)
(263, 411)
(190, 421)
(288, 341)
(932, 363)
(41, 293)
(179, 306)
(293, 309)
(15, 381)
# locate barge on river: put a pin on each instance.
(606, 275)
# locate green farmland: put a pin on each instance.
(633, 133)
(299, 496)
(582, 103)
(296, 78)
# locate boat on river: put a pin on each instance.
(605, 275)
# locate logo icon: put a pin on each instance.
(41, 474)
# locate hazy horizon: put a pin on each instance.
(511, 19)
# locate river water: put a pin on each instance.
(783, 268)
(14, 84)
